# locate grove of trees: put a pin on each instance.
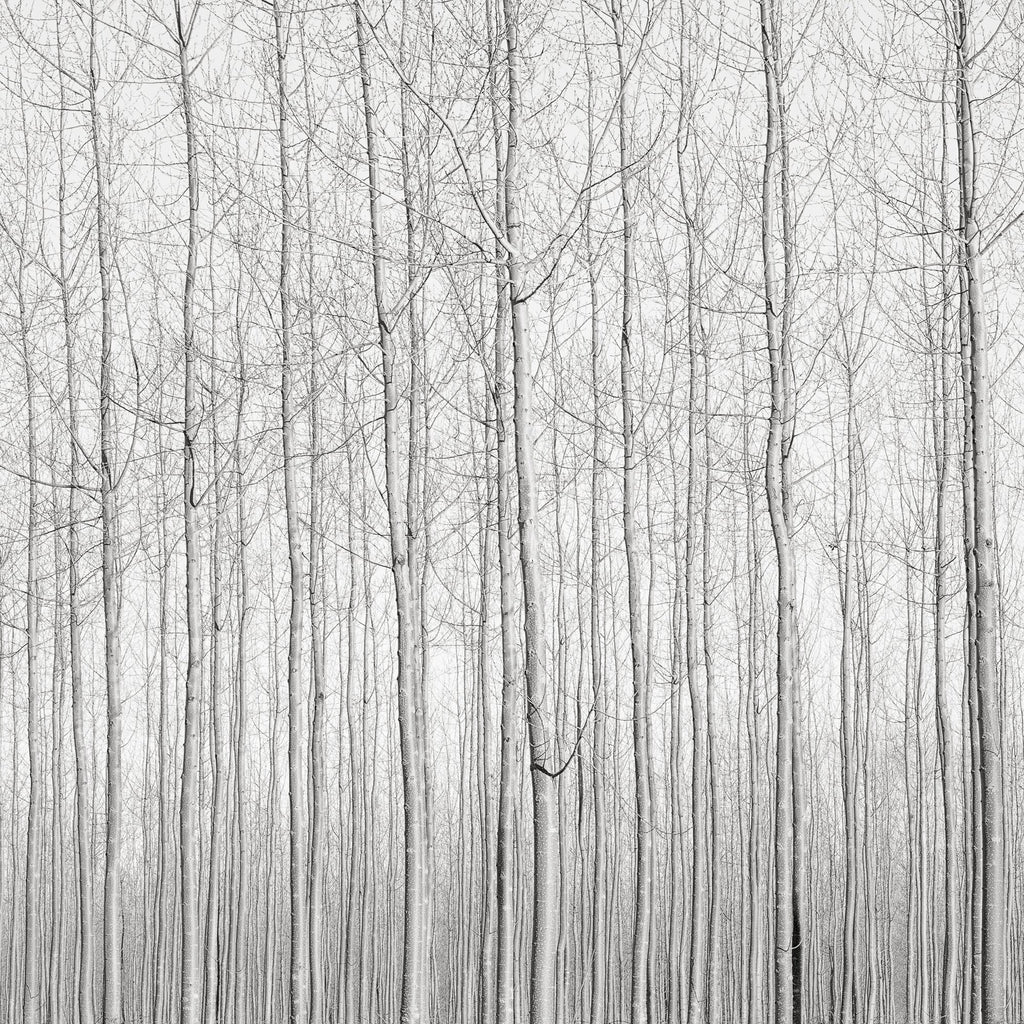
(509, 512)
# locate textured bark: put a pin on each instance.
(215, 949)
(416, 953)
(639, 990)
(778, 316)
(488, 746)
(599, 687)
(497, 982)
(539, 701)
(714, 994)
(85, 941)
(700, 927)
(241, 937)
(987, 745)
(848, 723)
(942, 445)
(317, 582)
(188, 823)
(56, 999)
(511, 690)
(755, 660)
(32, 992)
(298, 982)
(112, 1008)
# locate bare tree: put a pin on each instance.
(775, 194)
(109, 479)
(298, 988)
(423, 526)
(982, 542)
(415, 971)
(191, 981)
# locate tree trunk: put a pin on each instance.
(639, 990)
(32, 993)
(110, 572)
(539, 700)
(298, 851)
(191, 985)
(416, 966)
(83, 845)
(985, 658)
(788, 881)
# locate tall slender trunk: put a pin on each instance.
(985, 644)
(188, 824)
(416, 967)
(55, 983)
(600, 911)
(32, 993)
(778, 317)
(699, 882)
(85, 1007)
(639, 990)
(486, 994)
(215, 954)
(164, 923)
(240, 973)
(317, 580)
(110, 572)
(510, 753)
(316, 630)
(298, 987)
(974, 837)
(942, 443)
(714, 783)
(755, 658)
(417, 520)
(508, 783)
(848, 719)
(539, 702)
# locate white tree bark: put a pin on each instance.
(539, 702)
(298, 852)
(984, 663)
(112, 1008)
(416, 964)
(188, 823)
